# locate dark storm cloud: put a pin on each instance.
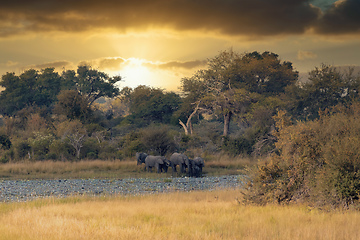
(342, 18)
(230, 17)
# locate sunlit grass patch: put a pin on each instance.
(194, 215)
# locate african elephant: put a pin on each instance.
(140, 157)
(197, 165)
(181, 160)
(159, 162)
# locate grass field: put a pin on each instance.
(194, 215)
(107, 169)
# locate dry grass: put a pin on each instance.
(217, 165)
(222, 165)
(80, 169)
(196, 215)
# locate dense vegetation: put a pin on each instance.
(318, 162)
(249, 104)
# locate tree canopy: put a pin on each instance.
(31, 88)
(326, 87)
(40, 88)
(232, 81)
(149, 105)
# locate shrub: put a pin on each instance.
(90, 149)
(60, 150)
(318, 162)
(158, 140)
(237, 146)
(5, 142)
(23, 149)
(40, 145)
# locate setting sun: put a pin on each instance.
(135, 73)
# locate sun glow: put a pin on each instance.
(136, 73)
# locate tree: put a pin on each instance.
(72, 105)
(73, 132)
(31, 88)
(149, 105)
(264, 73)
(188, 126)
(91, 83)
(327, 86)
(232, 81)
(47, 87)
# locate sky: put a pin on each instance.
(158, 42)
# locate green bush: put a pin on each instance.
(5, 142)
(61, 150)
(90, 149)
(40, 145)
(237, 146)
(158, 140)
(23, 149)
(6, 156)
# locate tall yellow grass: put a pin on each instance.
(195, 215)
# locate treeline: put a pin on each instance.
(228, 107)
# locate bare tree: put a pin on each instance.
(74, 133)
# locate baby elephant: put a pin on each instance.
(196, 166)
(159, 162)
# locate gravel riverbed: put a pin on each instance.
(25, 190)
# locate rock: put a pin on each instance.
(25, 190)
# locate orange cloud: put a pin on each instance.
(178, 64)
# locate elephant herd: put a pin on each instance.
(161, 164)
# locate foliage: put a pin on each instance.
(73, 106)
(5, 142)
(23, 149)
(233, 82)
(327, 87)
(319, 162)
(148, 105)
(40, 145)
(237, 146)
(93, 84)
(61, 150)
(157, 140)
(74, 133)
(40, 88)
(31, 88)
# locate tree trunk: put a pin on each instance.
(185, 127)
(227, 118)
(188, 127)
(78, 153)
